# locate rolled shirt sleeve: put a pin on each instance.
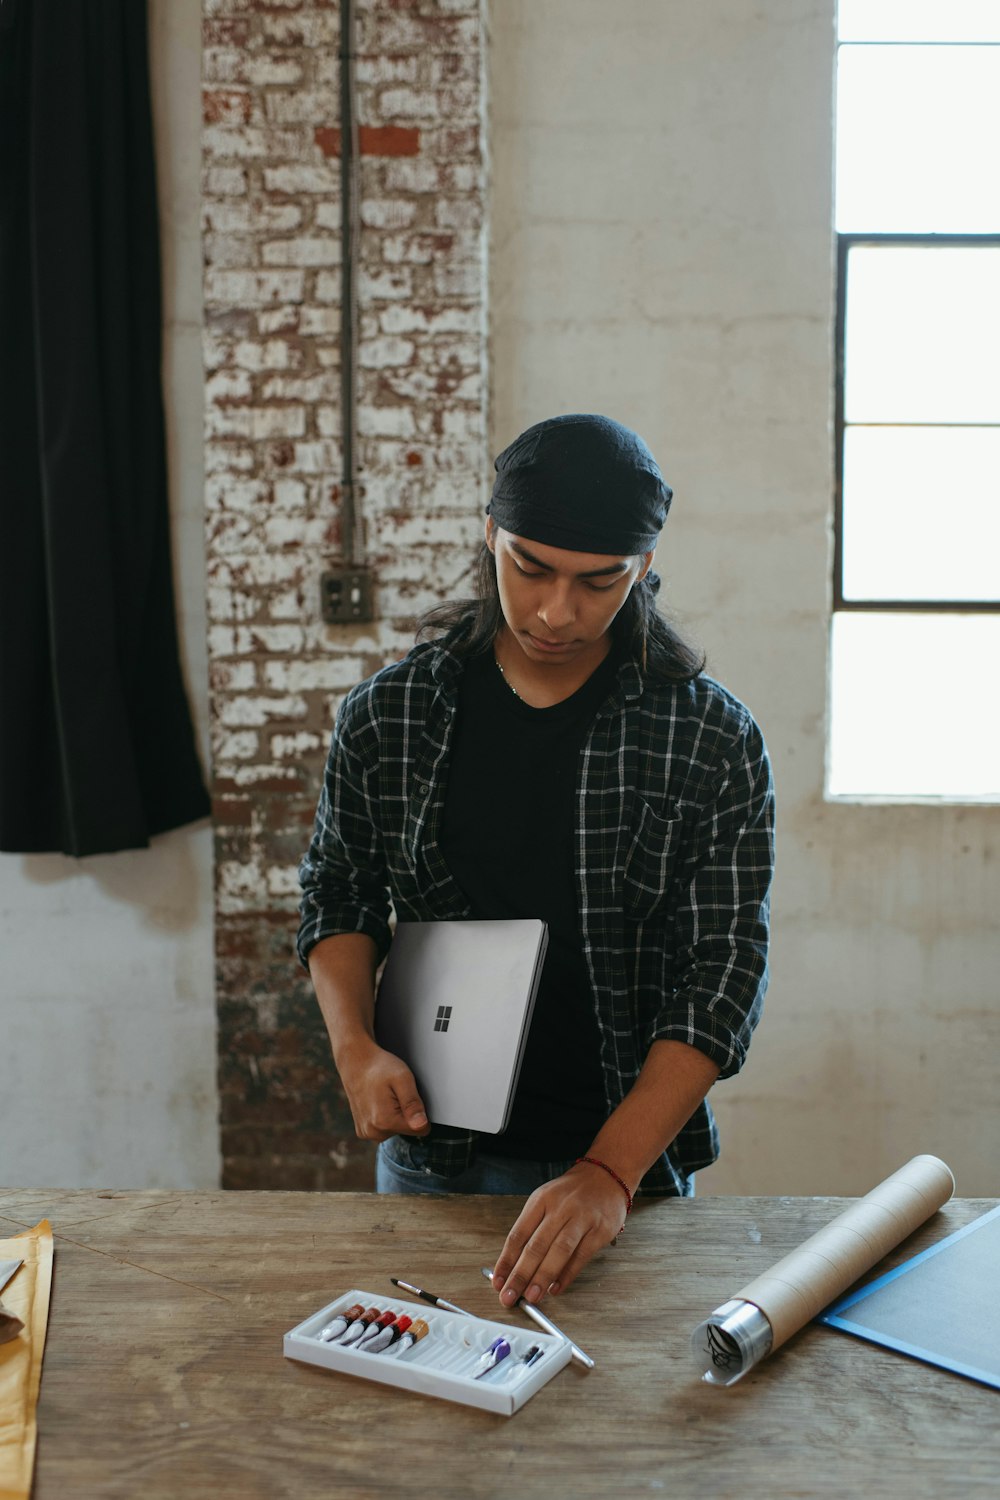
(721, 921)
(343, 874)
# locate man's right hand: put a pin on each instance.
(382, 1093)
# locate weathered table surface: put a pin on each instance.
(164, 1374)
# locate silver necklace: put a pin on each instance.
(503, 674)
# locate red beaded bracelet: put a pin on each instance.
(596, 1162)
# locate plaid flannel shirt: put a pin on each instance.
(674, 857)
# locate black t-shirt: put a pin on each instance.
(509, 825)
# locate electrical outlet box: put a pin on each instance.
(347, 596)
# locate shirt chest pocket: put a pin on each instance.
(650, 863)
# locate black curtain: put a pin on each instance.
(97, 750)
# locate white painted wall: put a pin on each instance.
(106, 978)
(662, 252)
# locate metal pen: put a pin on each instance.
(543, 1322)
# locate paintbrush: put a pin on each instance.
(432, 1298)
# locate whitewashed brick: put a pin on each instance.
(420, 530)
(283, 883)
(234, 677)
(328, 422)
(251, 142)
(286, 605)
(327, 287)
(221, 641)
(280, 639)
(220, 605)
(400, 318)
(464, 422)
(410, 104)
(305, 388)
(412, 174)
(458, 213)
(223, 492)
(253, 288)
(227, 217)
(229, 458)
(272, 238)
(271, 354)
(264, 570)
(301, 177)
(298, 106)
(274, 218)
(319, 321)
(284, 746)
(387, 421)
(320, 250)
(408, 249)
(317, 674)
(459, 280)
(316, 458)
(296, 531)
(253, 711)
(222, 65)
(233, 385)
(290, 494)
(376, 354)
(240, 887)
(251, 776)
(243, 745)
(385, 69)
(278, 320)
(223, 182)
(277, 421)
(271, 70)
(388, 213)
(308, 29)
(229, 251)
(389, 285)
(228, 421)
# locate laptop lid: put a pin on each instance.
(455, 1003)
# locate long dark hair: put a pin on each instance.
(638, 628)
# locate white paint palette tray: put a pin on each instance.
(444, 1362)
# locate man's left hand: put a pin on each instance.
(562, 1226)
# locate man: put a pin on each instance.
(554, 751)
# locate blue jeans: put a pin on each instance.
(400, 1167)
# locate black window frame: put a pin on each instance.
(846, 243)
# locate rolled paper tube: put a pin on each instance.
(766, 1312)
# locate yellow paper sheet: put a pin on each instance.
(27, 1295)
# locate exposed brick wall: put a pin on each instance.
(272, 351)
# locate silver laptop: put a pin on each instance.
(455, 1003)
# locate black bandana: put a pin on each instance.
(581, 482)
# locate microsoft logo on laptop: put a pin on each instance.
(443, 1018)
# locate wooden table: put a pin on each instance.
(164, 1374)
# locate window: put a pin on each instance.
(915, 648)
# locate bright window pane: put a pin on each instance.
(923, 334)
(921, 513)
(914, 708)
(918, 20)
(917, 131)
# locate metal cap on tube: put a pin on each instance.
(731, 1340)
